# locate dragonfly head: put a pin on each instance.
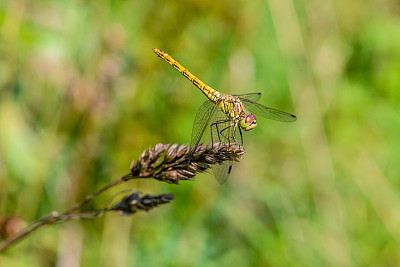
(249, 122)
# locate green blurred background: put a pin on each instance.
(83, 94)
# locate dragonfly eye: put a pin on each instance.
(250, 121)
(250, 118)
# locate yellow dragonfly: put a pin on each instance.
(224, 113)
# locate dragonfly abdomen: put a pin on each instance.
(212, 94)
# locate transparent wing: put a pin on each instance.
(222, 132)
(210, 116)
(222, 171)
(251, 96)
(266, 112)
(202, 120)
(218, 123)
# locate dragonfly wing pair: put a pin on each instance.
(204, 127)
(250, 103)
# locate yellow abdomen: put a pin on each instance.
(210, 92)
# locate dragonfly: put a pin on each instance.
(225, 115)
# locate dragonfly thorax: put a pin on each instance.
(249, 122)
(231, 106)
(234, 110)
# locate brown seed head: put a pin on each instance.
(135, 202)
(170, 163)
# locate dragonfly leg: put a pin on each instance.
(241, 137)
(212, 136)
(217, 130)
(212, 139)
(234, 134)
(227, 137)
